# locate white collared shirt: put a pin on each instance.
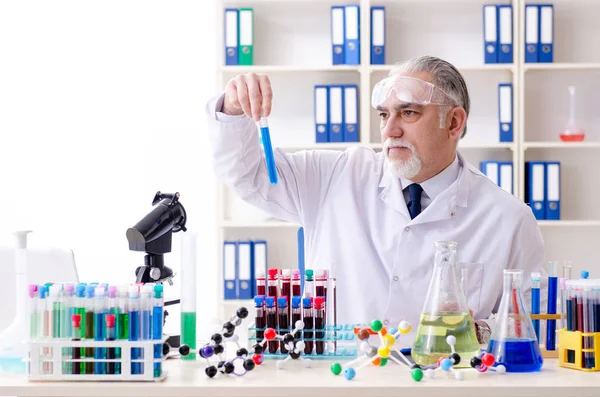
(357, 224)
(433, 186)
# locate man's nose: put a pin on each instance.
(392, 129)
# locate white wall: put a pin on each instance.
(102, 105)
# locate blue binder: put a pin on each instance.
(377, 35)
(245, 270)
(505, 176)
(351, 113)
(532, 29)
(546, 38)
(337, 35)
(535, 191)
(352, 34)
(259, 261)
(553, 190)
(505, 111)
(336, 113)
(491, 169)
(231, 36)
(505, 33)
(490, 33)
(229, 270)
(321, 113)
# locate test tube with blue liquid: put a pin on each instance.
(146, 303)
(535, 301)
(134, 327)
(552, 304)
(99, 334)
(265, 139)
(157, 327)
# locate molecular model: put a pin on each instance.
(293, 346)
(481, 363)
(216, 347)
(378, 355)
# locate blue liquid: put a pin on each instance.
(157, 319)
(99, 353)
(551, 328)
(517, 355)
(269, 158)
(535, 309)
(134, 335)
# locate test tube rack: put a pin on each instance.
(544, 317)
(573, 341)
(50, 360)
(340, 342)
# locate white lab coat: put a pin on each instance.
(355, 216)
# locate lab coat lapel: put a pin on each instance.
(443, 207)
(390, 192)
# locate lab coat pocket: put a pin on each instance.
(471, 278)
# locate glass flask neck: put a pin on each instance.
(513, 280)
(445, 254)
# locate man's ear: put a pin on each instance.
(458, 119)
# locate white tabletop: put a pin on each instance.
(189, 379)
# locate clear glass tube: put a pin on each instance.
(188, 292)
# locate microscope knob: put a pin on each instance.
(155, 273)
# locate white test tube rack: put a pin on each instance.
(46, 360)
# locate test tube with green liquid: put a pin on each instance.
(188, 294)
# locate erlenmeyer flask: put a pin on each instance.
(513, 342)
(572, 131)
(445, 313)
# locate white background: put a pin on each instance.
(101, 106)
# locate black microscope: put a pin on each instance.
(153, 235)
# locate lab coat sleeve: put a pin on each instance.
(303, 177)
(529, 254)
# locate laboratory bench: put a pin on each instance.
(188, 379)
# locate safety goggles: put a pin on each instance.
(409, 90)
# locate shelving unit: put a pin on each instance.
(296, 54)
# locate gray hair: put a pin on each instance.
(445, 76)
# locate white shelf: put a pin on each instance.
(288, 69)
(567, 223)
(510, 146)
(473, 68)
(561, 66)
(561, 145)
(263, 224)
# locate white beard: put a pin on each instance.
(402, 168)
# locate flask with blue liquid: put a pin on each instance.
(514, 342)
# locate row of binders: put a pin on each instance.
(542, 189)
(243, 260)
(336, 113)
(542, 184)
(345, 35)
(498, 33)
(499, 172)
(239, 36)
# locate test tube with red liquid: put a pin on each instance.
(286, 288)
(296, 314)
(296, 283)
(260, 320)
(284, 323)
(319, 313)
(271, 312)
(261, 284)
(273, 283)
(307, 315)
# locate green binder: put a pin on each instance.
(246, 35)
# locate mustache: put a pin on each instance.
(397, 142)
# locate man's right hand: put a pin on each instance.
(248, 94)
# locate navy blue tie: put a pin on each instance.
(414, 205)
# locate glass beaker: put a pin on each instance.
(445, 313)
(572, 131)
(514, 343)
